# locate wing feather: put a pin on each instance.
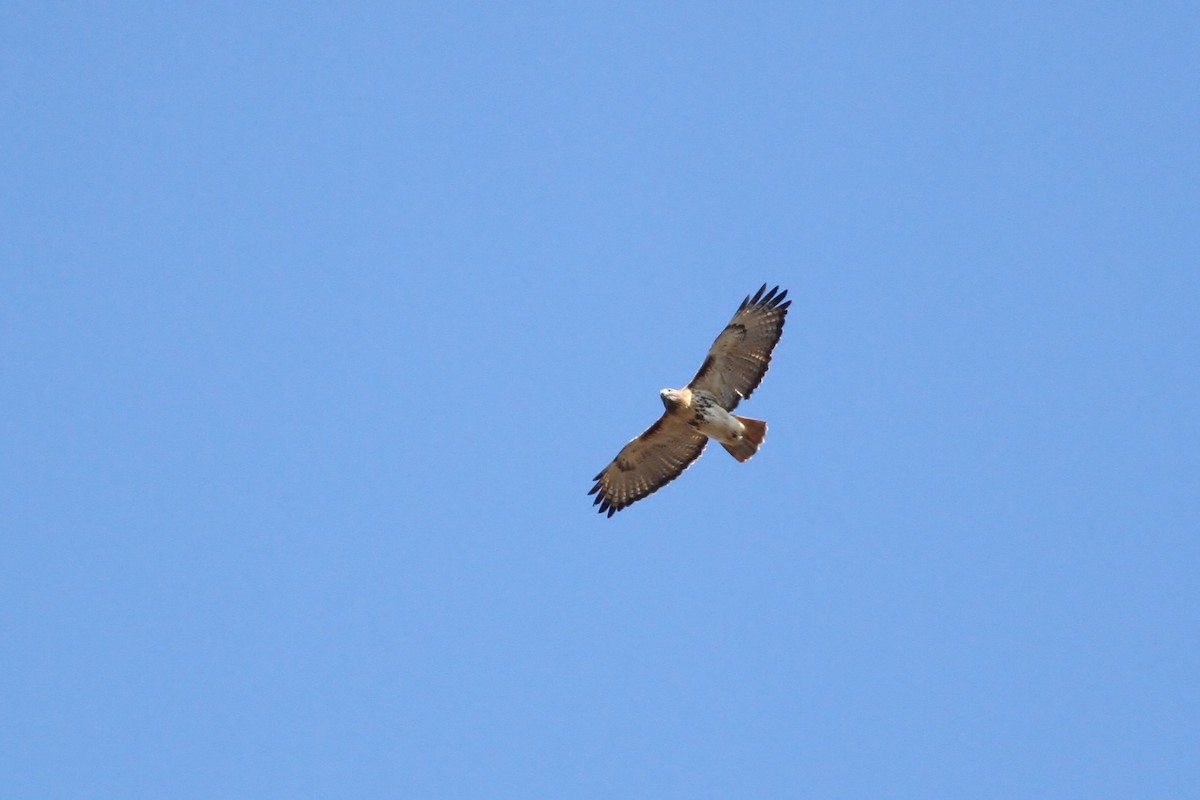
(741, 354)
(649, 462)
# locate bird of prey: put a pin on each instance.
(733, 369)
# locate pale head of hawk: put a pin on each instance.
(733, 369)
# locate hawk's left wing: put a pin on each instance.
(738, 359)
(646, 464)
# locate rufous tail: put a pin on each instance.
(747, 446)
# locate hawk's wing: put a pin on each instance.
(647, 463)
(739, 357)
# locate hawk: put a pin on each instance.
(733, 369)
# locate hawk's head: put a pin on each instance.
(675, 399)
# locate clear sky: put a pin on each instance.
(317, 320)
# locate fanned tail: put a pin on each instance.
(747, 446)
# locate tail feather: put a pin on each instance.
(747, 446)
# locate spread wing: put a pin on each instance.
(739, 357)
(647, 463)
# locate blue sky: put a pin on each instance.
(316, 320)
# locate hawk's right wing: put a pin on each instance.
(646, 464)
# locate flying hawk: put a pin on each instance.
(735, 366)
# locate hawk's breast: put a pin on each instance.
(711, 419)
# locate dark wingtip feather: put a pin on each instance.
(772, 299)
(752, 300)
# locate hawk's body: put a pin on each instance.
(702, 412)
(733, 369)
